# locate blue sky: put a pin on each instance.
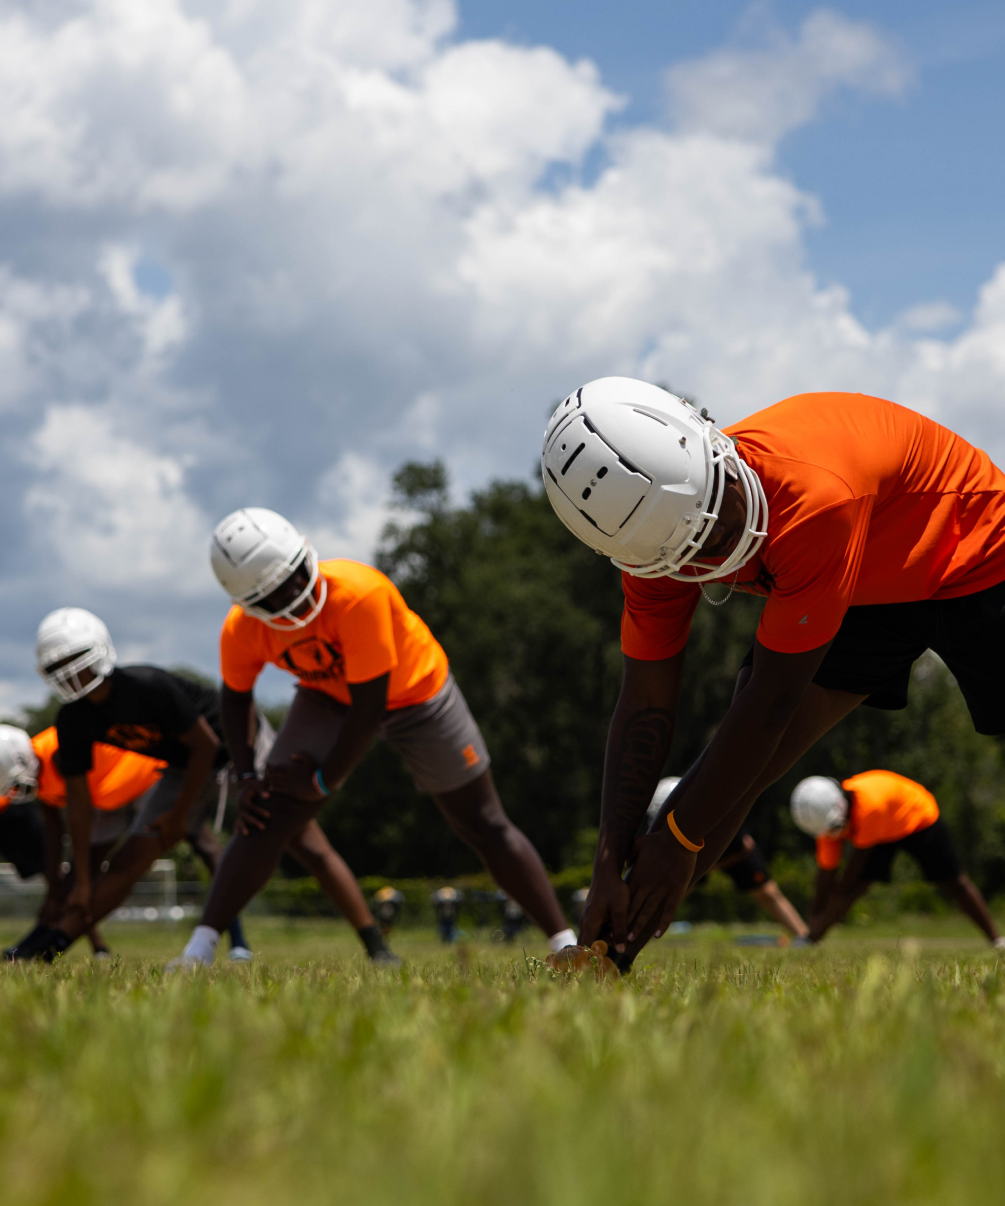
(912, 188)
(261, 252)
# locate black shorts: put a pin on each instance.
(22, 839)
(751, 871)
(931, 848)
(876, 647)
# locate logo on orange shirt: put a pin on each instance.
(313, 660)
(470, 756)
(138, 737)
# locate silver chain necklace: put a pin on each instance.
(719, 602)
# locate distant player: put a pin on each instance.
(366, 666)
(148, 711)
(744, 862)
(872, 533)
(30, 770)
(878, 814)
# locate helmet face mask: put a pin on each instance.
(18, 766)
(74, 653)
(268, 569)
(636, 473)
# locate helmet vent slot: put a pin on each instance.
(655, 419)
(586, 493)
(602, 471)
(565, 467)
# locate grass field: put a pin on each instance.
(871, 1070)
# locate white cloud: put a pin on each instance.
(114, 512)
(367, 257)
(761, 93)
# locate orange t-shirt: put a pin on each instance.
(868, 502)
(364, 630)
(117, 777)
(885, 808)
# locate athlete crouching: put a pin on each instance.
(367, 666)
(148, 711)
(30, 772)
(879, 814)
(873, 534)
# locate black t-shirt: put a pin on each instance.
(145, 711)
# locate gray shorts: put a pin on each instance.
(110, 826)
(161, 797)
(439, 740)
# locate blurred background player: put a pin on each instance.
(30, 771)
(744, 862)
(447, 903)
(367, 666)
(386, 908)
(879, 813)
(148, 711)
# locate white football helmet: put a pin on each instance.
(18, 765)
(66, 632)
(254, 551)
(639, 475)
(663, 789)
(819, 806)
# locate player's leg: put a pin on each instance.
(446, 754)
(312, 726)
(207, 849)
(865, 867)
(100, 850)
(318, 857)
(965, 892)
(22, 842)
(779, 908)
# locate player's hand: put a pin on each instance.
(606, 908)
(251, 811)
(657, 881)
(295, 778)
(79, 900)
(169, 828)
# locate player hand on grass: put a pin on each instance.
(296, 778)
(606, 908)
(658, 881)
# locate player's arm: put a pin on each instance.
(369, 703)
(844, 892)
(738, 753)
(203, 745)
(79, 822)
(638, 743)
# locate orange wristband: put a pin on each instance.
(675, 830)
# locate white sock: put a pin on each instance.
(202, 944)
(562, 939)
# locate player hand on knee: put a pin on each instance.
(658, 881)
(169, 828)
(251, 812)
(79, 900)
(297, 778)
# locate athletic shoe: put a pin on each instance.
(240, 954)
(385, 958)
(103, 953)
(801, 942)
(999, 943)
(28, 946)
(56, 945)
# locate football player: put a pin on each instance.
(744, 862)
(29, 771)
(366, 666)
(149, 711)
(873, 534)
(879, 814)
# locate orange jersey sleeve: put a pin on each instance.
(241, 658)
(887, 807)
(657, 616)
(829, 851)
